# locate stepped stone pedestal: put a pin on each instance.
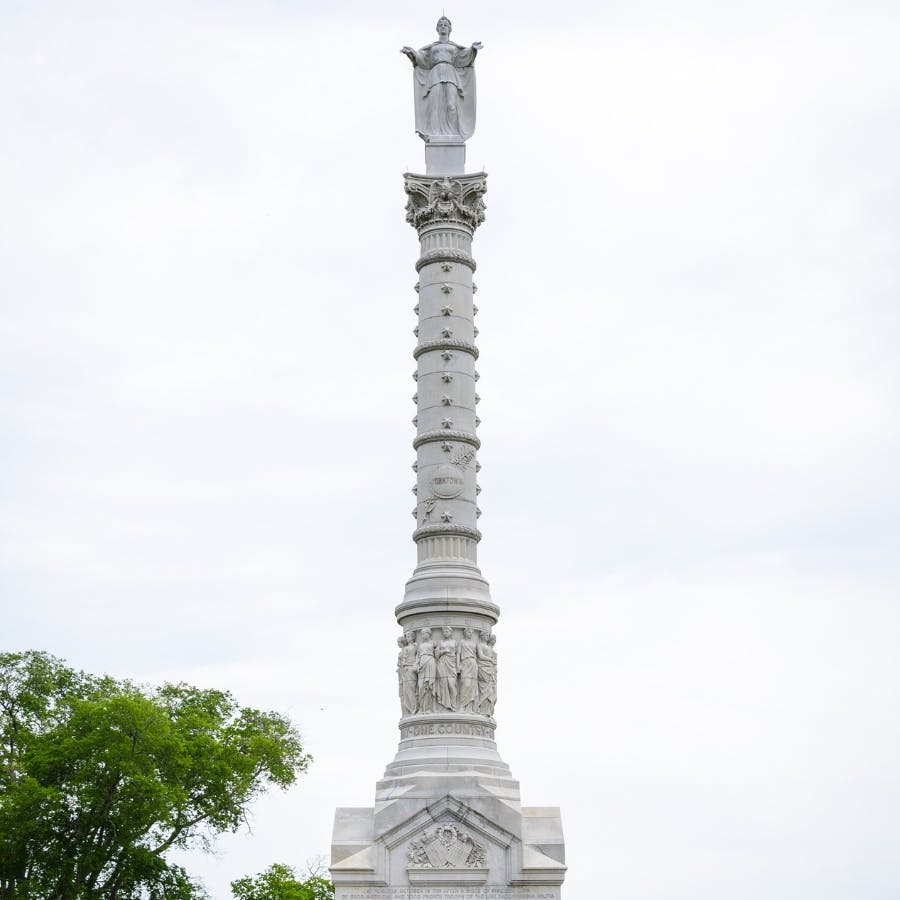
(447, 822)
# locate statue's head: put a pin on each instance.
(410, 637)
(399, 641)
(447, 631)
(443, 28)
(425, 634)
(468, 632)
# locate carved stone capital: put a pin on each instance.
(444, 200)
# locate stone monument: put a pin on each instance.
(448, 821)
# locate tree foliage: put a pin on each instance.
(99, 778)
(280, 882)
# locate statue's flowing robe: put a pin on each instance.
(487, 679)
(408, 680)
(426, 666)
(444, 81)
(468, 676)
(447, 669)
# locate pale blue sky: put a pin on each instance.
(689, 282)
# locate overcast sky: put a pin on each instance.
(690, 317)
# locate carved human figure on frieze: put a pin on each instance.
(444, 84)
(447, 658)
(487, 673)
(425, 671)
(468, 672)
(406, 674)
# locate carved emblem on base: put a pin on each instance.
(446, 848)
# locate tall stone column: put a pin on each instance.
(447, 819)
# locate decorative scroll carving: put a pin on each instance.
(445, 344)
(442, 254)
(437, 201)
(447, 847)
(432, 436)
(432, 530)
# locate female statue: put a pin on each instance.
(406, 673)
(425, 669)
(444, 79)
(447, 657)
(468, 672)
(487, 674)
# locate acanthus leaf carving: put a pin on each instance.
(445, 200)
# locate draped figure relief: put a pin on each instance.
(468, 672)
(406, 674)
(447, 674)
(447, 659)
(426, 670)
(487, 674)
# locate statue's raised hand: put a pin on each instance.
(408, 51)
(477, 45)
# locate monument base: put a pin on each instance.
(476, 842)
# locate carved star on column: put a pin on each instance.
(415, 398)
(475, 331)
(446, 446)
(474, 310)
(415, 420)
(477, 420)
(447, 355)
(477, 398)
(477, 466)
(415, 467)
(447, 401)
(415, 489)
(447, 310)
(477, 376)
(416, 331)
(447, 423)
(477, 488)
(446, 267)
(416, 309)
(446, 288)
(416, 287)
(446, 378)
(477, 513)
(415, 514)
(447, 332)
(415, 376)
(446, 516)
(474, 288)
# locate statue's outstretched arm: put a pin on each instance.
(409, 52)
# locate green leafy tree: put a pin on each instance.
(100, 778)
(280, 882)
